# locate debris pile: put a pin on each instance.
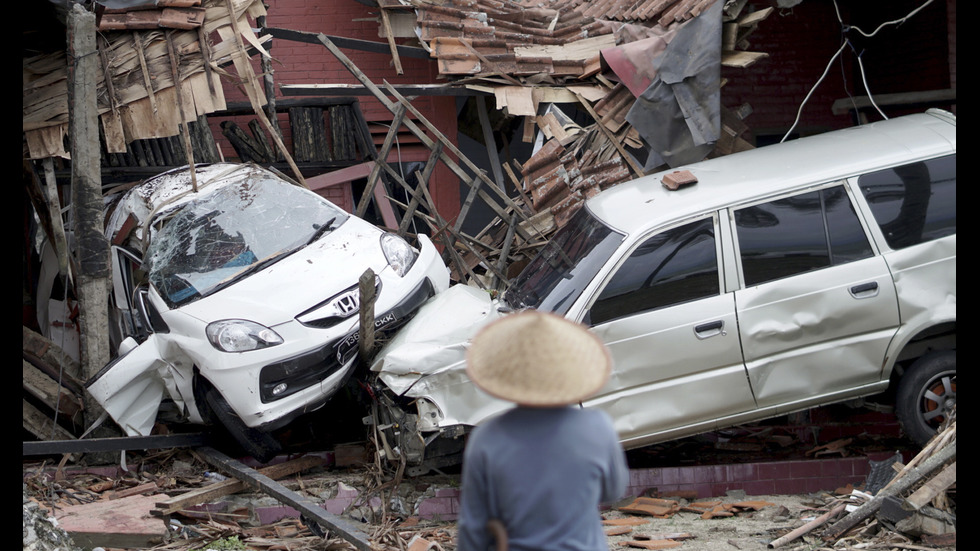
(41, 532)
(917, 503)
(543, 61)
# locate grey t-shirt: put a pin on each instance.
(543, 472)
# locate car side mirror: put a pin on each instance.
(127, 345)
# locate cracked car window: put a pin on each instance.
(557, 276)
(235, 230)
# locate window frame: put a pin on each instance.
(627, 252)
(853, 195)
(867, 214)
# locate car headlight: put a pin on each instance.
(400, 255)
(241, 336)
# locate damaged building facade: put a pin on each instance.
(387, 108)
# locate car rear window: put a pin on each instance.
(913, 203)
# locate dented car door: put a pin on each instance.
(672, 333)
(818, 308)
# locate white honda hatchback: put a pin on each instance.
(236, 298)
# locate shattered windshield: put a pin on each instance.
(556, 277)
(235, 230)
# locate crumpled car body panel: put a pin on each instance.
(770, 285)
(307, 296)
(425, 360)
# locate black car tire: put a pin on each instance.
(259, 444)
(927, 386)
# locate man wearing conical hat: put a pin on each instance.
(541, 469)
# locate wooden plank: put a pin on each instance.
(384, 205)
(467, 203)
(423, 181)
(348, 43)
(116, 523)
(489, 141)
(382, 158)
(386, 24)
(47, 391)
(582, 49)
(184, 133)
(415, 129)
(41, 426)
(928, 97)
(741, 60)
(340, 176)
(479, 173)
(255, 96)
(755, 17)
(935, 486)
(637, 171)
(347, 90)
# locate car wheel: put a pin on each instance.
(926, 395)
(259, 444)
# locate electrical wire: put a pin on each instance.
(864, 79)
(846, 28)
(886, 23)
(810, 93)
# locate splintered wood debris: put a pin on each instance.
(541, 61)
(160, 70)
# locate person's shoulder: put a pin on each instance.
(596, 417)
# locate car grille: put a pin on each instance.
(308, 369)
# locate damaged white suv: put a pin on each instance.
(238, 301)
(790, 276)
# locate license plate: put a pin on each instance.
(348, 345)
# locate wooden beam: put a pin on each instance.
(227, 487)
(929, 97)
(382, 158)
(368, 294)
(391, 40)
(244, 65)
(348, 43)
(423, 180)
(935, 486)
(898, 485)
(345, 90)
(475, 169)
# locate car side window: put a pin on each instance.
(913, 203)
(674, 266)
(798, 234)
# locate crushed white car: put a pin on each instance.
(238, 302)
(791, 276)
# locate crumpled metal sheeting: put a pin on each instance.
(679, 114)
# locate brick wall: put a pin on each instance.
(915, 56)
(300, 63)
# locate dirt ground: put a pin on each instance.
(751, 530)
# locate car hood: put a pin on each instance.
(301, 280)
(436, 339)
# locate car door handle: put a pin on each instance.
(710, 329)
(865, 290)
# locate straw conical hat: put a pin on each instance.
(538, 359)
